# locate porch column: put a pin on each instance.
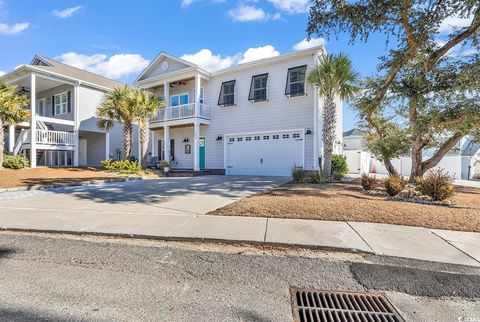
(166, 142)
(76, 126)
(152, 138)
(196, 146)
(33, 122)
(139, 145)
(11, 138)
(107, 145)
(197, 94)
(166, 93)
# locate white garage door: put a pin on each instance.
(264, 154)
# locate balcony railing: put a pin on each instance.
(51, 137)
(181, 111)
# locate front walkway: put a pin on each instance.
(174, 208)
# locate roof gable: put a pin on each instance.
(164, 64)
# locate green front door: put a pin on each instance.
(202, 152)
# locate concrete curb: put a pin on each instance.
(69, 184)
(189, 239)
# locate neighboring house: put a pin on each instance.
(62, 130)
(353, 140)
(256, 118)
(463, 161)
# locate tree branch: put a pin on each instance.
(408, 29)
(444, 149)
(453, 42)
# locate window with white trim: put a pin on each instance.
(258, 88)
(61, 103)
(231, 139)
(276, 137)
(296, 81)
(266, 137)
(295, 135)
(285, 136)
(239, 139)
(248, 138)
(256, 138)
(41, 107)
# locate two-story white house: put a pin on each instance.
(256, 118)
(62, 130)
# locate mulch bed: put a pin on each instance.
(46, 176)
(348, 202)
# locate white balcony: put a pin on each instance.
(181, 112)
(47, 137)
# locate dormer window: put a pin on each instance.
(258, 89)
(296, 81)
(227, 94)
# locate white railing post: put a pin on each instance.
(33, 121)
(197, 94)
(11, 138)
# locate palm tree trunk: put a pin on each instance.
(127, 139)
(144, 131)
(2, 141)
(329, 127)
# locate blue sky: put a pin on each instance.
(118, 38)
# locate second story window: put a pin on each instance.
(296, 81)
(61, 103)
(258, 89)
(227, 94)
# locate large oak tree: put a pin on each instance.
(430, 86)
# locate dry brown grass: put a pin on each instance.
(46, 176)
(348, 202)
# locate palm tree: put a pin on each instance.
(128, 106)
(116, 107)
(146, 105)
(334, 77)
(12, 109)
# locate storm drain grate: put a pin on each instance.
(311, 305)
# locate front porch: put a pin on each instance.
(51, 136)
(184, 146)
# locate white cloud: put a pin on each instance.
(259, 53)
(305, 43)
(2, 73)
(116, 66)
(13, 29)
(247, 13)
(291, 6)
(207, 60)
(450, 23)
(186, 3)
(65, 13)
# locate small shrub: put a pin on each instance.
(436, 184)
(122, 167)
(339, 164)
(368, 182)
(319, 177)
(337, 176)
(15, 162)
(298, 174)
(164, 164)
(394, 184)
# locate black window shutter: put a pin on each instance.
(172, 149)
(69, 102)
(53, 105)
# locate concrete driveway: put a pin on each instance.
(193, 195)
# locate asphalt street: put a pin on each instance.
(87, 278)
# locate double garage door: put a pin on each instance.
(264, 154)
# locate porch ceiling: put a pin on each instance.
(41, 84)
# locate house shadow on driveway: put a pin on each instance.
(215, 191)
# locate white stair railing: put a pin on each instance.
(23, 138)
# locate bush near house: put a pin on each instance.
(394, 184)
(319, 177)
(298, 174)
(339, 164)
(15, 162)
(437, 184)
(368, 182)
(122, 167)
(337, 176)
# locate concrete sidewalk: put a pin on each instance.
(390, 240)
